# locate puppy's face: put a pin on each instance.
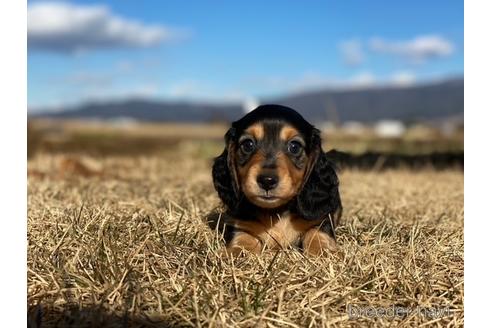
(271, 162)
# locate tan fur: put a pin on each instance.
(244, 241)
(256, 130)
(248, 175)
(288, 132)
(274, 231)
(315, 242)
(291, 177)
(286, 167)
(289, 173)
(249, 172)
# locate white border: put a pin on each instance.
(478, 164)
(478, 105)
(13, 195)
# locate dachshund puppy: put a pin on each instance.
(277, 185)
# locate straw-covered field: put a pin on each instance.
(120, 241)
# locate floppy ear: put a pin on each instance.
(224, 174)
(319, 195)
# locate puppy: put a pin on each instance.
(277, 185)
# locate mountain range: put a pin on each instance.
(438, 101)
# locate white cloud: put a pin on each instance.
(403, 79)
(352, 53)
(145, 90)
(362, 80)
(136, 90)
(69, 28)
(86, 86)
(307, 81)
(417, 50)
(185, 89)
(69, 95)
(310, 81)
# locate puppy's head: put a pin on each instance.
(270, 157)
(271, 160)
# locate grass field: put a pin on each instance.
(120, 241)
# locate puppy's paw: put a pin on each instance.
(243, 243)
(317, 243)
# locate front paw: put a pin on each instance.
(316, 243)
(243, 243)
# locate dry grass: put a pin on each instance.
(128, 247)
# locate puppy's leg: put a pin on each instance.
(244, 241)
(315, 242)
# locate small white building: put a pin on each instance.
(327, 126)
(353, 128)
(389, 128)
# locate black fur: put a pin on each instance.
(319, 197)
(223, 176)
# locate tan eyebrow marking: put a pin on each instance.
(256, 130)
(288, 132)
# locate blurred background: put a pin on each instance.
(137, 77)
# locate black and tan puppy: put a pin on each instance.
(277, 185)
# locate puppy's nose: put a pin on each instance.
(267, 181)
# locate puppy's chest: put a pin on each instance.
(277, 231)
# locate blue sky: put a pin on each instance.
(234, 50)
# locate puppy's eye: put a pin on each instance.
(247, 146)
(294, 147)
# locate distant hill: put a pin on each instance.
(149, 110)
(417, 103)
(426, 102)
